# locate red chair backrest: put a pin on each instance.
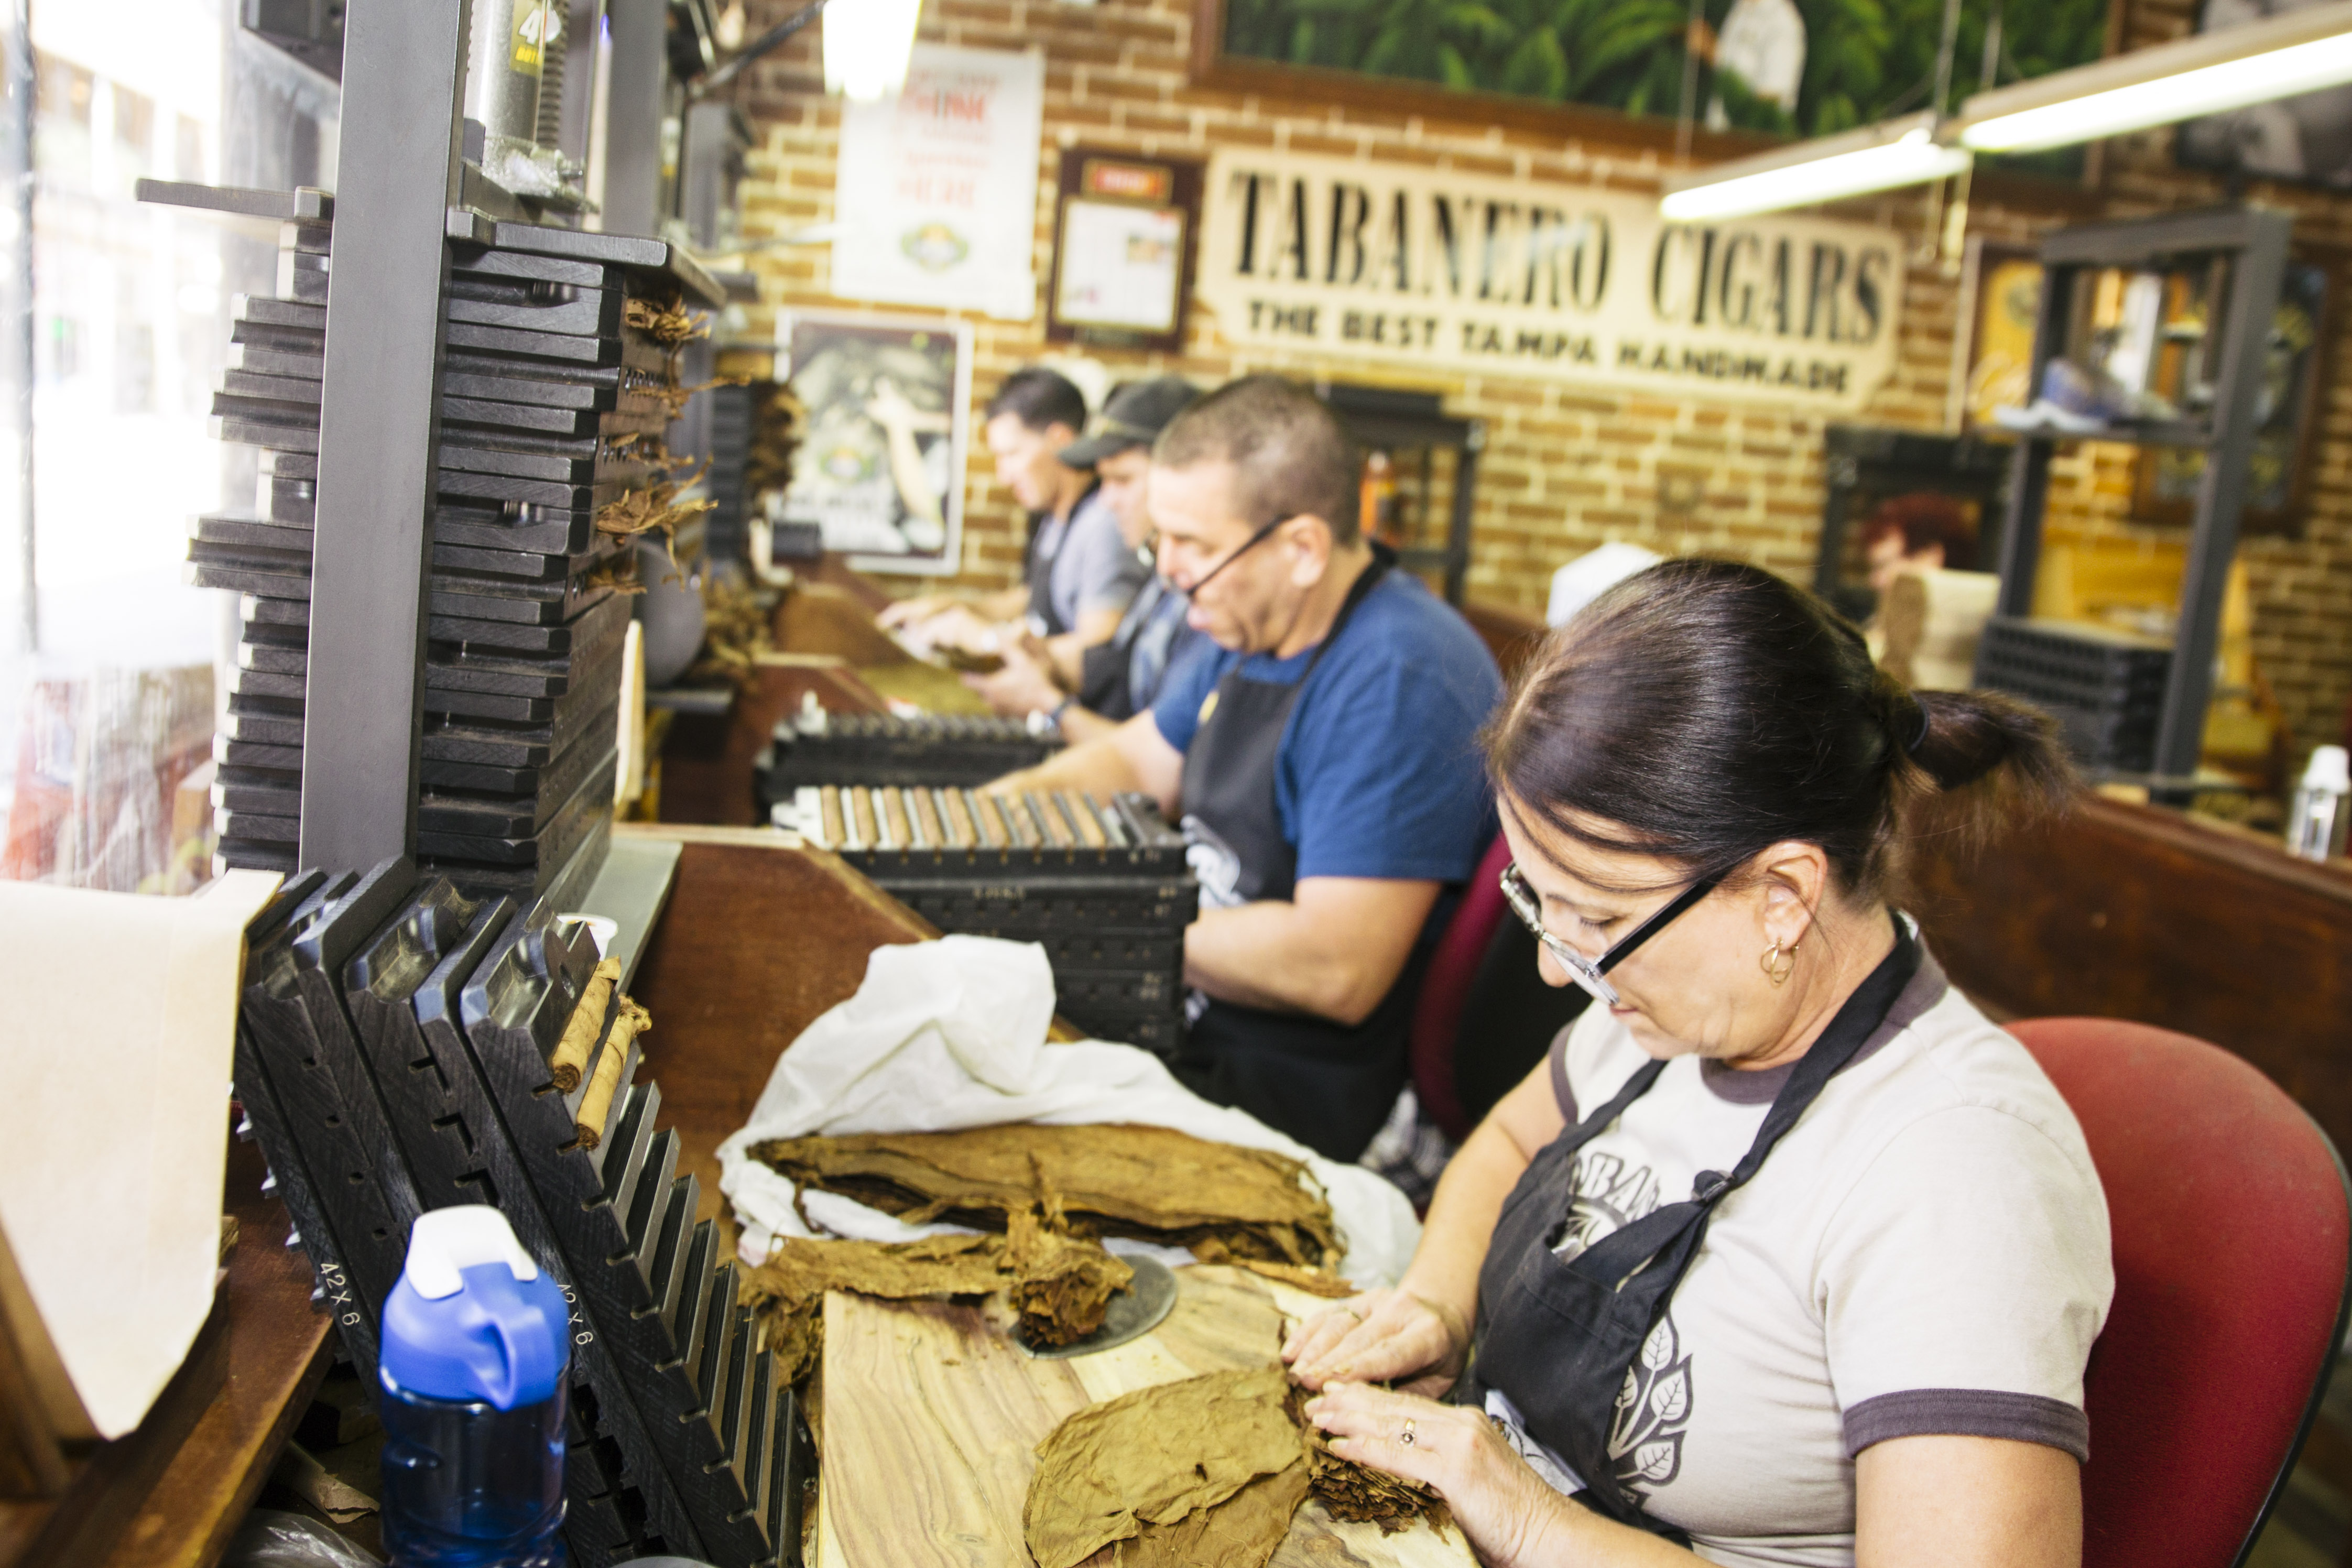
(1446, 989)
(2232, 1236)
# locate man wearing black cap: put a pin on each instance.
(1089, 692)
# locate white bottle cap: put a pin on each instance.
(443, 1241)
(2329, 769)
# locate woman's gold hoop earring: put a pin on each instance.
(1779, 963)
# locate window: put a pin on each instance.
(105, 728)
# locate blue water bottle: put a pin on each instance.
(475, 1341)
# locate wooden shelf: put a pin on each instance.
(2145, 433)
(189, 1475)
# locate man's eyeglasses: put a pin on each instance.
(1244, 548)
(1589, 971)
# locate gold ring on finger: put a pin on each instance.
(1406, 1437)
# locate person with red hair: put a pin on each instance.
(1920, 531)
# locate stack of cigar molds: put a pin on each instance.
(1103, 886)
(552, 407)
(391, 1056)
(949, 750)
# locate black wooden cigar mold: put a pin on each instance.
(391, 1056)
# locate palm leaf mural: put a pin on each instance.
(1865, 60)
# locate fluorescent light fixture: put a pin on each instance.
(2212, 72)
(866, 44)
(1882, 157)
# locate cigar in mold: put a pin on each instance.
(597, 1104)
(571, 1057)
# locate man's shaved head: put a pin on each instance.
(1289, 455)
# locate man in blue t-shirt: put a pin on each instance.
(1323, 758)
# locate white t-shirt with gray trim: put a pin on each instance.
(1925, 1252)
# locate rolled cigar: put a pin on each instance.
(597, 1104)
(571, 1057)
(927, 820)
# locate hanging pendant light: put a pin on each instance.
(867, 46)
(2278, 56)
(1882, 157)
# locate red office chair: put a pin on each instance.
(1445, 990)
(2232, 1228)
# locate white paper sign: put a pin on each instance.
(1415, 267)
(935, 190)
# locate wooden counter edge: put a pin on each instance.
(2220, 844)
(774, 838)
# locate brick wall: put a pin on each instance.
(1565, 469)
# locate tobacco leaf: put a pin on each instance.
(1359, 1493)
(654, 510)
(1157, 1455)
(1150, 1183)
(735, 617)
(668, 321)
(618, 573)
(1243, 1532)
(1060, 1287)
(1314, 1281)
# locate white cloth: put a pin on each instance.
(1591, 574)
(952, 1034)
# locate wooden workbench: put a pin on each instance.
(760, 937)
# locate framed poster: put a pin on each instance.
(2306, 138)
(935, 191)
(880, 465)
(2000, 295)
(1125, 240)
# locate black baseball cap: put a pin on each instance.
(1134, 416)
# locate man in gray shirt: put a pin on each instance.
(1079, 574)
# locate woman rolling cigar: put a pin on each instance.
(1786, 1254)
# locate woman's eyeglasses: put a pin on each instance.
(1589, 973)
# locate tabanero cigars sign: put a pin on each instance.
(1414, 266)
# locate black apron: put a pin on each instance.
(1557, 1337)
(1037, 566)
(1107, 670)
(1329, 1085)
(1039, 569)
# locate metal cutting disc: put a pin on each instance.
(1132, 1313)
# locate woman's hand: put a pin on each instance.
(1380, 1336)
(1512, 1518)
